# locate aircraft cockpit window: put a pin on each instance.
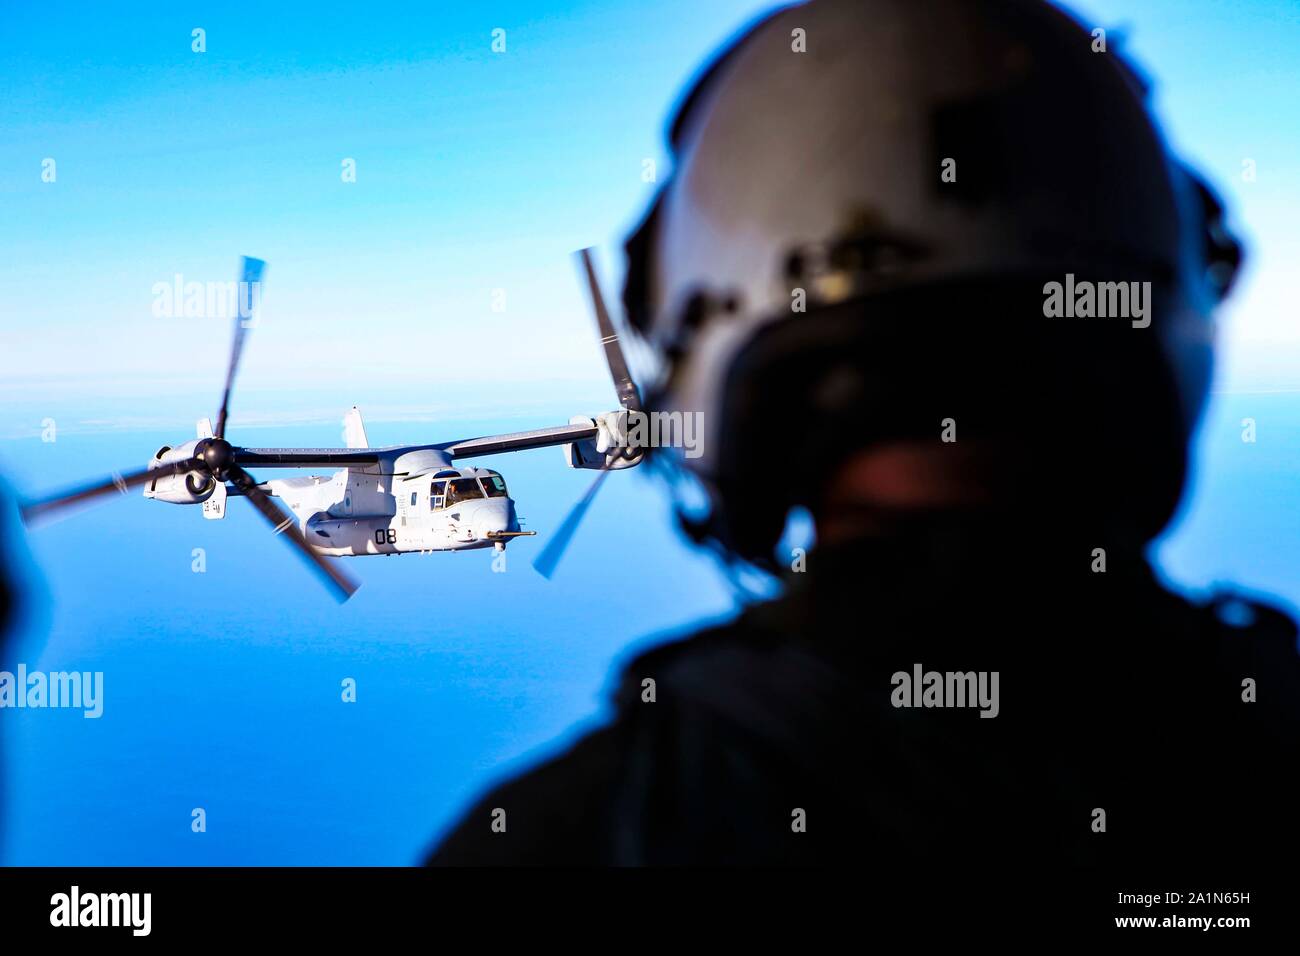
(437, 495)
(462, 489)
(495, 486)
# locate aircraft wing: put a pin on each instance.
(462, 448)
(304, 457)
(519, 441)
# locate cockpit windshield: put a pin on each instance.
(494, 485)
(462, 489)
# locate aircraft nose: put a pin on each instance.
(496, 514)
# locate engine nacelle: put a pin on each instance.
(608, 449)
(190, 488)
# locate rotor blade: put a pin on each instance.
(286, 526)
(37, 510)
(555, 548)
(249, 295)
(628, 396)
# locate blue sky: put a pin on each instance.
(477, 173)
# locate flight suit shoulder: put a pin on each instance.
(552, 815)
(1252, 627)
(567, 809)
(1254, 643)
(748, 635)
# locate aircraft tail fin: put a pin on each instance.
(354, 430)
(204, 428)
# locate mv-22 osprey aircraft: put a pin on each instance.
(390, 500)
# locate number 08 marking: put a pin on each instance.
(385, 536)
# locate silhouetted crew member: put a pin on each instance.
(848, 276)
(11, 554)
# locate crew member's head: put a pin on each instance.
(923, 255)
